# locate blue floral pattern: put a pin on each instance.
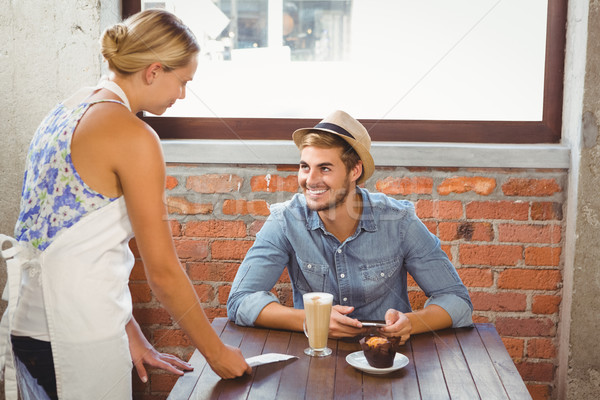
(54, 196)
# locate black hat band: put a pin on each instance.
(335, 128)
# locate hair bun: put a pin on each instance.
(112, 39)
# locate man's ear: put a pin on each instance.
(356, 171)
(152, 72)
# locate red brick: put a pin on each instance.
(180, 205)
(439, 209)
(214, 183)
(431, 227)
(516, 211)
(462, 184)
(417, 299)
(541, 348)
(191, 249)
(539, 392)
(171, 338)
(285, 295)
(424, 208)
(274, 183)
(215, 229)
(515, 347)
(530, 187)
(134, 248)
(212, 271)
(206, 293)
(531, 279)
(538, 371)
(215, 312)
(525, 327)
(284, 277)
(477, 231)
(140, 292)
(546, 211)
(480, 319)
(503, 301)
(545, 304)
(529, 233)
(472, 254)
(542, 256)
(171, 182)
(255, 227)
(448, 250)
(476, 277)
(163, 382)
(244, 207)
(230, 249)
(410, 281)
(223, 293)
(405, 186)
(175, 228)
(148, 316)
(138, 273)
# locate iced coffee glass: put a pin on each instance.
(317, 308)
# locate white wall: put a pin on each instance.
(48, 49)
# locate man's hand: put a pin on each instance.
(398, 325)
(341, 325)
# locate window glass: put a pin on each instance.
(377, 59)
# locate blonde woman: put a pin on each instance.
(95, 177)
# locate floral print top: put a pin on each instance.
(54, 196)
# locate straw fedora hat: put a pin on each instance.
(343, 125)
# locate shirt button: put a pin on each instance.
(382, 274)
(309, 266)
(339, 250)
(345, 299)
(342, 275)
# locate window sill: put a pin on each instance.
(409, 154)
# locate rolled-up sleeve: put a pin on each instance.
(459, 310)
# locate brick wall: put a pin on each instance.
(502, 229)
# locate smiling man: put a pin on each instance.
(338, 238)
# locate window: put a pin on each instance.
(318, 39)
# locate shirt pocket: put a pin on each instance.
(312, 277)
(379, 279)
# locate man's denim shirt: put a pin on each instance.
(367, 271)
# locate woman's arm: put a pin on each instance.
(139, 165)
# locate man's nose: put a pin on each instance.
(312, 176)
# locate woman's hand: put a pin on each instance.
(142, 353)
(228, 362)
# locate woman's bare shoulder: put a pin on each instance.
(117, 134)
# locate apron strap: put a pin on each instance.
(11, 293)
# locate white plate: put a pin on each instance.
(358, 360)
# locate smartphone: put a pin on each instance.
(373, 324)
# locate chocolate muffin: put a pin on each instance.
(378, 351)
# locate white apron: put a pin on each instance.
(85, 274)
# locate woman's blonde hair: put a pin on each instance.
(153, 35)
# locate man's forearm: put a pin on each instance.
(431, 318)
(275, 315)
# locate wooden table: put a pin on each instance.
(464, 363)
